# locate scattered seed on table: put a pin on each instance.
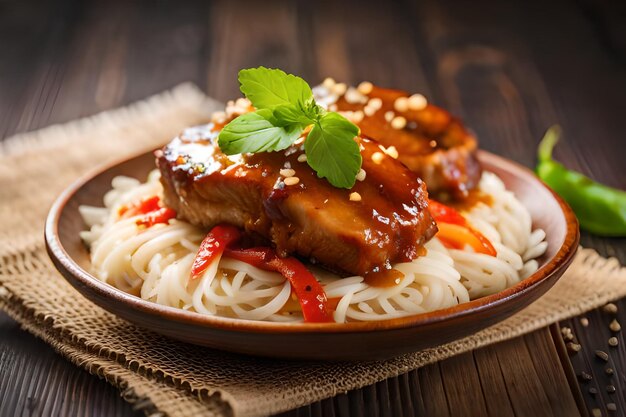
(584, 321)
(609, 371)
(613, 341)
(602, 355)
(615, 326)
(610, 389)
(593, 391)
(610, 308)
(573, 347)
(596, 412)
(611, 407)
(585, 376)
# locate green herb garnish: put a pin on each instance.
(285, 108)
(600, 209)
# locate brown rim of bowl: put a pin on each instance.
(66, 265)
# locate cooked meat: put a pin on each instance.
(430, 142)
(310, 218)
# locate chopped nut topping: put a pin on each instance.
(355, 196)
(398, 122)
(218, 117)
(302, 158)
(291, 180)
(375, 103)
(377, 157)
(417, 102)
(365, 87)
(392, 152)
(401, 104)
(361, 175)
(339, 88)
(357, 116)
(328, 83)
(369, 111)
(354, 96)
(287, 172)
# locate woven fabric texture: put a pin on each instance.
(162, 376)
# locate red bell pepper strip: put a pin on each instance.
(151, 209)
(144, 206)
(455, 232)
(310, 294)
(161, 215)
(213, 245)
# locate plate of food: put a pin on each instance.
(334, 222)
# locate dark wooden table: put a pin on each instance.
(509, 69)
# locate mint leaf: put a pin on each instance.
(267, 88)
(332, 152)
(257, 132)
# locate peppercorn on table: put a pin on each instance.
(509, 69)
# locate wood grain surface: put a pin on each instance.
(509, 69)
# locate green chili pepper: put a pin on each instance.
(600, 209)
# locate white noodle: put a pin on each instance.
(154, 263)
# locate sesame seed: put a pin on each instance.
(584, 322)
(328, 83)
(302, 158)
(610, 389)
(339, 88)
(389, 116)
(433, 143)
(287, 172)
(292, 180)
(369, 111)
(377, 157)
(230, 103)
(610, 308)
(609, 371)
(596, 412)
(585, 376)
(602, 355)
(333, 107)
(365, 87)
(361, 175)
(613, 341)
(392, 152)
(611, 407)
(287, 164)
(417, 102)
(401, 104)
(593, 391)
(375, 103)
(355, 196)
(615, 326)
(398, 122)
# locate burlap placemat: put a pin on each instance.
(159, 375)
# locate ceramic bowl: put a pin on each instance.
(322, 341)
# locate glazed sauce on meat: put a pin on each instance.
(390, 222)
(384, 278)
